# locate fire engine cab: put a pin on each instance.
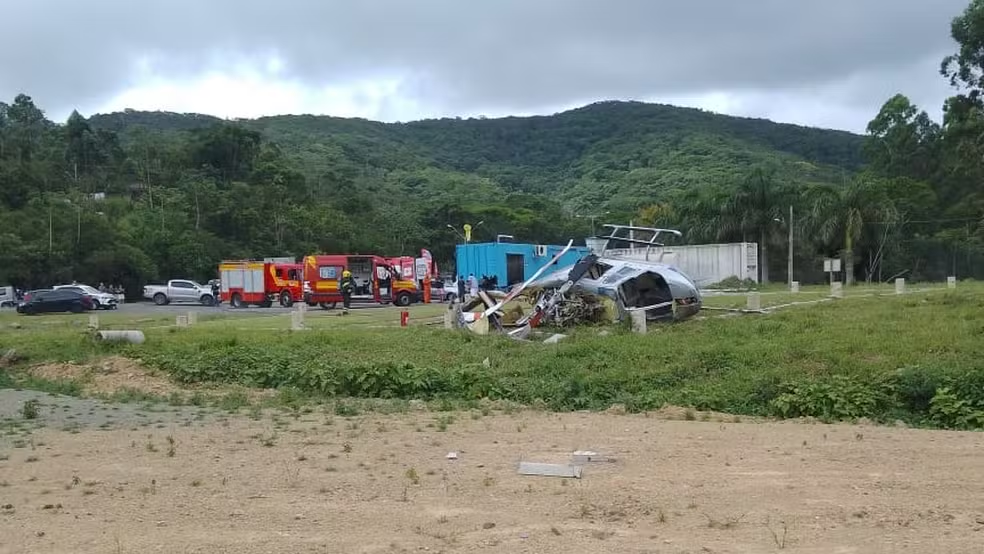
(421, 271)
(376, 280)
(247, 282)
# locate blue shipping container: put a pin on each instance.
(511, 263)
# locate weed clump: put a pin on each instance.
(30, 409)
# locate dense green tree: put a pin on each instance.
(27, 125)
(82, 151)
(229, 150)
(843, 216)
(903, 141)
(753, 212)
(965, 69)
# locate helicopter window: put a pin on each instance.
(597, 270)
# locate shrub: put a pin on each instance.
(839, 397)
(949, 410)
(734, 283)
(915, 387)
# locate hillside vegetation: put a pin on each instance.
(184, 190)
(611, 154)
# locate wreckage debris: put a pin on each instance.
(574, 469)
(588, 456)
(550, 470)
(596, 289)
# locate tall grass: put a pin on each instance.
(883, 358)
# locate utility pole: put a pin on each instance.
(592, 218)
(789, 263)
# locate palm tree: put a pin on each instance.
(753, 211)
(749, 211)
(657, 214)
(698, 212)
(840, 213)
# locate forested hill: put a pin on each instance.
(615, 154)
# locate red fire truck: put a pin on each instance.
(376, 280)
(246, 282)
(405, 266)
(422, 271)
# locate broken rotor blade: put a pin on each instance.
(516, 290)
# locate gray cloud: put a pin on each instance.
(484, 55)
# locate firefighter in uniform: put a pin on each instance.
(347, 286)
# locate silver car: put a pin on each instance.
(100, 300)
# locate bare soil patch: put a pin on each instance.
(375, 484)
(107, 376)
(116, 374)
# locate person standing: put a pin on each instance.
(347, 286)
(472, 286)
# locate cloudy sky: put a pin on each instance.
(829, 63)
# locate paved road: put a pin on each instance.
(151, 308)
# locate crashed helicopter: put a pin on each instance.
(605, 287)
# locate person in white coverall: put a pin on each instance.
(472, 286)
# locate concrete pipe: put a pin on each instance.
(132, 337)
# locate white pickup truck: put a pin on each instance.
(179, 290)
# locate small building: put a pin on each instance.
(508, 262)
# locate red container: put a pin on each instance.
(404, 318)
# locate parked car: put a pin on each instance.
(450, 291)
(179, 290)
(444, 290)
(101, 300)
(53, 301)
(29, 294)
(437, 290)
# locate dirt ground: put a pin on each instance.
(377, 483)
(109, 375)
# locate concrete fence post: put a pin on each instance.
(639, 321)
(794, 286)
(837, 289)
(900, 285)
(753, 301)
(192, 318)
(182, 321)
(951, 282)
(296, 320)
(94, 321)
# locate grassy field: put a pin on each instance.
(778, 295)
(872, 354)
